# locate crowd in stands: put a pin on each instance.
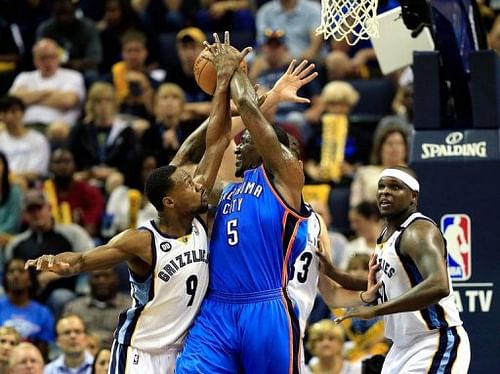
(96, 94)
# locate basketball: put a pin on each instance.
(205, 73)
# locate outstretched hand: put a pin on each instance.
(48, 263)
(294, 78)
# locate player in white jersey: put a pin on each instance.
(168, 260)
(416, 296)
(307, 279)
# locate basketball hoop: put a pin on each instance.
(351, 20)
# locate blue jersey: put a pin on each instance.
(256, 237)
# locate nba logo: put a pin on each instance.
(456, 230)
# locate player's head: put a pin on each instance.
(247, 156)
(398, 190)
(172, 188)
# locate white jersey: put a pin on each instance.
(398, 275)
(166, 302)
(303, 287)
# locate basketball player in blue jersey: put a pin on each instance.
(168, 260)
(247, 322)
(416, 296)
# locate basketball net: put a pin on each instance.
(351, 20)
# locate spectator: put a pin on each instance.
(26, 358)
(326, 343)
(100, 310)
(72, 200)
(390, 148)
(189, 46)
(10, 204)
(298, 19)
(135, 87)
(51, 93)
(169, 129)
(101, 361)
(10, 54)
(26, 150)
(338, 98)
(43, 236)
(93, 343)
(120, 18)
(104, 142)
(365, 222)
(9, 338)
(127, 206)
(72, 342)
(32, 320)
(78, 37)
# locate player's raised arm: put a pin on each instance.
(132, 246)
(285, 167)
(226, 60)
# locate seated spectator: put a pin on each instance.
(104, 142)
(402, 104)
(10, 53)
(78, 37)
(19, 310)
(298, 19)
(118, 19)
(100, 310)
(72, 200)
(51, 93)
(101, 361)
(72, 342)
(9, 338)
(135, 87)
(43, 236)
(26, 358)
(338, 98)
(27, 150)
(189, 46)
(390, 148)
(326, 342)
(365, 223)
(93, 343)
(127, 206)
(10, 204)
(168, 130)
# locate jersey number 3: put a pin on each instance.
(305, 260)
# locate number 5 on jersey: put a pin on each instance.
(232, 232)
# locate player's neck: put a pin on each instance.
(395, 221)
(175, 226)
